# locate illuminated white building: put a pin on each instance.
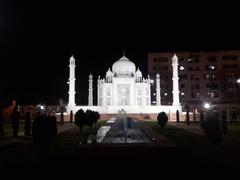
(124, 87)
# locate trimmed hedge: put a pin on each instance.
(162, 119)
(87, 118)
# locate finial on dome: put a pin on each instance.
(72, 60)
(124, 52)
(175, 56)
(72, 57)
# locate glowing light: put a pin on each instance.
(165, 94)
(182, 68)
(207, 106)
(152, 81)
(212, 67)
(182, 93)
(238, 81)
(60, 113)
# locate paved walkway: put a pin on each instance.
(157, 138)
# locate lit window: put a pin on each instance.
(198, 94)
(212, 95)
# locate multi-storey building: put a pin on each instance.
(203, 76)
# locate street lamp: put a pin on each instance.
(207, 105)
(238, 81)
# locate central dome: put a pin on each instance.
(123, 67)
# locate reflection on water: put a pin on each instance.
(115, 132)
(101, 133)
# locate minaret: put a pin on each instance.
(149, 90)
(71, 92)
(175, 81)
(90, 90)
(98, 91)
(158, 90)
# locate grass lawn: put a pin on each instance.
(8, 131)
(64, 142)
(234, 130)
(70, 138)
(179, 136)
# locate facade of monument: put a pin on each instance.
(124, 87)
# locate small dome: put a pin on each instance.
(138, 72)
(123, 67)
(109, 72)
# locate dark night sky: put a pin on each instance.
(36, 40)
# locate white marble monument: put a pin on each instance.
(124, 87)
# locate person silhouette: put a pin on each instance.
(233, 117)
(15, 121)
(224, 122)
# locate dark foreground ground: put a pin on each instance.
(124, 162)
(193, 158)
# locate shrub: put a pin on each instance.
(177, 116)
(162, 119)
(87, 118)
(211, 127)
(44, 129)
(96, 117)
(187, 117)
(90, 117)
(71, 116)
(80, 118)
